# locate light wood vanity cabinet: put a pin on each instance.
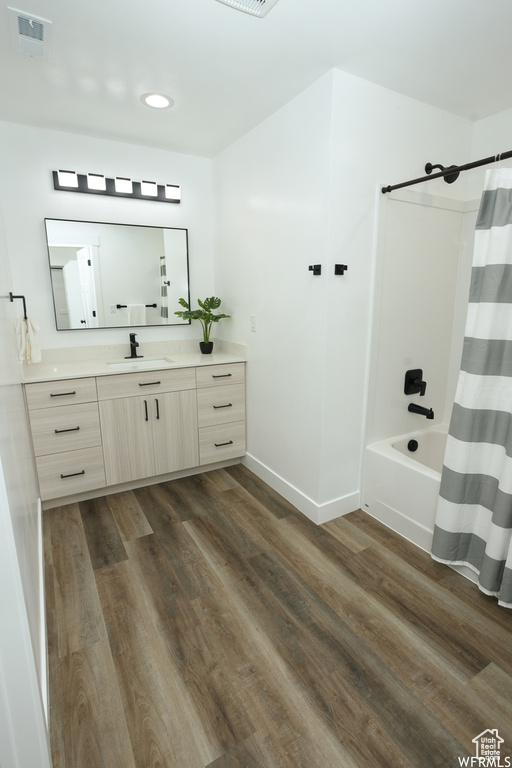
(111, 430)
(66, 436)
(221, 412)
(149, 434)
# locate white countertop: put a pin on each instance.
(81, 368)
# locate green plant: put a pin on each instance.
(204, 314)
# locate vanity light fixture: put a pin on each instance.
(124, 186)
(67, 178)
(149, 188)
(172, 192)
(97, 184)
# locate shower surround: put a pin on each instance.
(421, 283)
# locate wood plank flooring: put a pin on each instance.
(205, 622)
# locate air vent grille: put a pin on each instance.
(29, 34)
(254, 7)
(31, 28)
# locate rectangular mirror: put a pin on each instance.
(116, 275)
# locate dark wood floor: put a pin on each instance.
(205, 622)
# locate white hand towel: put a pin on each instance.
(136, 314)
(28, 348)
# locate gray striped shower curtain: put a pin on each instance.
(474, 514)
(164, 308)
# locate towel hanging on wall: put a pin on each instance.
(28, 348)
(136, 314)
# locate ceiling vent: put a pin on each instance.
(254, 7)
(29, 34)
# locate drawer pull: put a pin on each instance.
(222, 376)
(71, 429)
(149, 383)
(62, 394)
(228, 405)
(146, 409)
(219, 445)
(74, 474)
(157, 409)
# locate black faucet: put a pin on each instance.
(428, 412)
(133, 348)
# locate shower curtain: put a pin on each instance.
(474, 514)
(164, 309)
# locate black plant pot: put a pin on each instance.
(206, 347)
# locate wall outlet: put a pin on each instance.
(253, 323)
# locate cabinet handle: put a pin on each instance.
(62, 394)
(146, 409)
(71, 429)
(149, 383)
(74, 474)
(228, 405)
(222, 376)
(218, 445)
(157, 409)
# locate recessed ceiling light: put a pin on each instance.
(157, 100)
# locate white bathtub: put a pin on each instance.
(401, 487)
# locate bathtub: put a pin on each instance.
(401, 487)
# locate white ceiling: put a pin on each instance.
(227, 71)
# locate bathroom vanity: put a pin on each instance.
(125, 426)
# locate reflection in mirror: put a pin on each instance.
(116, 275)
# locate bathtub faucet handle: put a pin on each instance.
(414, 383)
(422, 385)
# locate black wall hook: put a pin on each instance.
(316, 269)
(340, 269)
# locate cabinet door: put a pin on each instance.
(126, 426)
(176, 444)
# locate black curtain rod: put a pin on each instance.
(451, 170)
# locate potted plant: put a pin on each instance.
(205, 316)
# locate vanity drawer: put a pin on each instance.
(63, 474)
(48, 394)
(225, 441)
(218, 405)
(65, 429)
(220, 375)
(133, 384)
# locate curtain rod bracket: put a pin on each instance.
(448, 177)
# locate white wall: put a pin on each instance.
(29, 155)
(22, 633)
(272, 190)
(490, 137)
(303, 188)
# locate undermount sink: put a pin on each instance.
(140, 363)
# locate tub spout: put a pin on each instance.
(427, 412)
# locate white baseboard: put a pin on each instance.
(43, 644)
(317, 513)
